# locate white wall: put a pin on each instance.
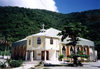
(38, 46)
(45, 45)
(52, 55)
(34, 45)
(91, 53)
(29, 47)
(38, 55)
(54, 46)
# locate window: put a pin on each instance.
(71, 50)
(39, 40)
(63, 49)
(29, 42)
(84, 51)
(78, 49)
(51, 40)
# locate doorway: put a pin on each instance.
(43, 55)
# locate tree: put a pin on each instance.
(73, 31)
(5, 37)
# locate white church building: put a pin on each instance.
(47, 45)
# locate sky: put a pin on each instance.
(61, 6)
(68, 6)
(33, 4)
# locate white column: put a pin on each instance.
(45, 55)
(26, 56)
(55, 55)
(31, 57)
(94, 54)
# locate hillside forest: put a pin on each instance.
(17, 23)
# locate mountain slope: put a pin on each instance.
(17, 23)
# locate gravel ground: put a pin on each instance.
(89, 65)
(26, 65)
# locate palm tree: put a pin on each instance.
(5, 38)
(73, 31)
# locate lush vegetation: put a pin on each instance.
(14, 63)
(10, 63)
(74, 31)
(5, 49)
(17, 23)
(8, 52)
(61, 57)
(2, 64)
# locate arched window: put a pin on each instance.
(51, 40)
(71, 50)
(63, 49)
(29, 42)
(84, 51)
(38, 40)
(78, 49)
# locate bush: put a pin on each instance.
(5, 53)
(2, 64)
(61, 56)
(85, 56)
(15, 63)
(78, 55)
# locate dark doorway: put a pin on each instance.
(43, 55)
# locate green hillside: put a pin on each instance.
(17, 23)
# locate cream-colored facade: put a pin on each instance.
(44, 46)
(83, 45)
(45, 50)
(47, 45)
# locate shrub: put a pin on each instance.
(15, 63)
(61, 56)
(78, 55)
(85, 56)
(2, 64)
(5, 53)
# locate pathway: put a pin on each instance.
(89, 65)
